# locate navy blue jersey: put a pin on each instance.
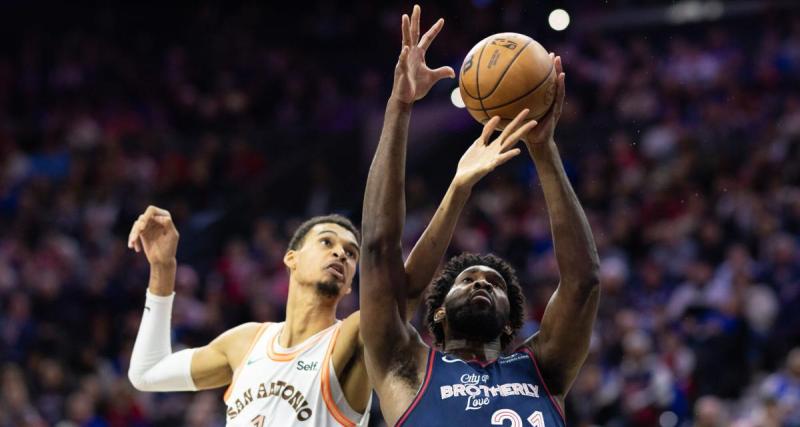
(506, 392)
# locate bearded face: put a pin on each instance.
(327, 289)
(477, 306)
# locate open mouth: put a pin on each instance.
(481, 296)
(336, 269)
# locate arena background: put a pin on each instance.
(681, 134)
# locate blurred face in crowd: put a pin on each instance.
(709, 412)
(793, 362)
(477, 304)
(326, 259)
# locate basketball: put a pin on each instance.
(505, 73)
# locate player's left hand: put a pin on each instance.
(543, 133)
(483, 156)
(412, 77)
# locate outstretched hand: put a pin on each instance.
(543, 133)
(412, 76)
(483, 156)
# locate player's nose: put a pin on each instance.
(481, 284)
(339, 253)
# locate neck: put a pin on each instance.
(467, 349)
(306, 314)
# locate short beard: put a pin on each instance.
(477, 323)
(327, 289)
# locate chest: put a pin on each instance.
(283, 383)
(507, 392)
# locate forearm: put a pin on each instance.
(432, 245)
(574, 245)
(384, 197)
(383, 289)
(153, 366)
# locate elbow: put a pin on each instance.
(379, 248)
(136, 380)
(590, 281)
(379, 242)
(586, 282)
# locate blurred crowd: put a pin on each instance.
(683, 144)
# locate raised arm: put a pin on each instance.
(562, 343)
(383, 295)
(481, 157)
(154, 367)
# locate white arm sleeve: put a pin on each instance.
(153, 365)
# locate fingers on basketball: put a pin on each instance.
(511, 127)
(488, 129)
(519, 134)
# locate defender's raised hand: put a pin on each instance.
(412, 77)
(154, 232)
(483, 156)
(547, 125)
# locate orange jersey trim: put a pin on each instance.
(285, 357)
(327, 395)
(238, 369)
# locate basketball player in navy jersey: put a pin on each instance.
(476, 306)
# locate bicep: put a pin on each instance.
(562, 343)
(210, 368)
(213, 364)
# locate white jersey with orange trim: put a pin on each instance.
(276, 386)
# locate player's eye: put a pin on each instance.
(466, 280)
(350, 254)
(325, 242)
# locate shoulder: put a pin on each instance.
(245, 331)
(236, 342)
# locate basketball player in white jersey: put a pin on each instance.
(309, 369)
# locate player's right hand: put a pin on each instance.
(543, 133)
(483, 156)
(155, 233)
(412, 77)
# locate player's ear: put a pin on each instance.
(439, 315)
(289, 260)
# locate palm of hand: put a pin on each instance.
(482, 157)
(423, 77)
(477, 161)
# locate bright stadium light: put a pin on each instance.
(455, 96)
(558, 19)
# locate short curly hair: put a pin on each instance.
(300, 234)
(442, 284)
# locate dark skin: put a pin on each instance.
(395, 355)
(484, 291)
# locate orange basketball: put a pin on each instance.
(504, 74)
